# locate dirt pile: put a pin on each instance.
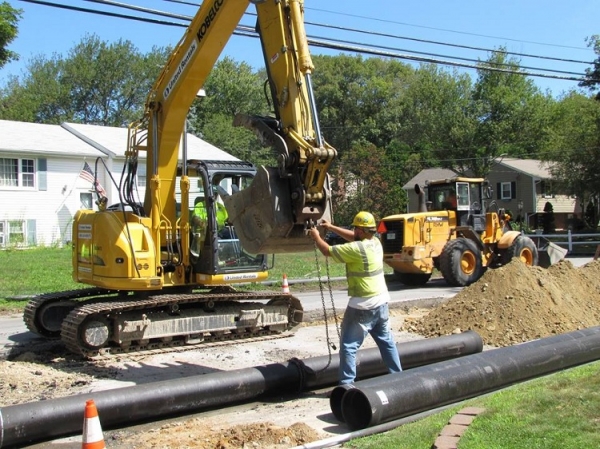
(200, 434)
(517, 303)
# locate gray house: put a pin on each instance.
(522, 186)
(44, 176)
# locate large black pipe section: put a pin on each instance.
(420, 389)
(338, 393)
(45, 420)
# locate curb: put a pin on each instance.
(456, 427)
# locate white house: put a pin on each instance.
(40, 183)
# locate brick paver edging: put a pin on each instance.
(451, 433)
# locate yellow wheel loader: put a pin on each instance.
(458, 230)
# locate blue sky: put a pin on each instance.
(549, 28)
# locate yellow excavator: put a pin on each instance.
(160, 274)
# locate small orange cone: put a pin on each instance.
(92, 431)
(285, 285)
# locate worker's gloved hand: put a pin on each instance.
(325, 224)
(313, 233)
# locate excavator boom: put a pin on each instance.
(272, 215)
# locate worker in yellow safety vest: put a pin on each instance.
(367, 310)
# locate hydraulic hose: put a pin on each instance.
(45, 420)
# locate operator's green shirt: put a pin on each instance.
(200, 211)
(364, 266)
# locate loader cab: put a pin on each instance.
(465, 196)
(214, 244)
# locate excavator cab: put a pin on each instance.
(215, 247)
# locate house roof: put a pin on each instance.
(36, 138)
(70, 139)
(114, 140)
(532, 167)
(427, 175)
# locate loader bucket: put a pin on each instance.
(549, 253)
(264, 219)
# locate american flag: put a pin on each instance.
(87, 174)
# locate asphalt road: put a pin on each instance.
(13, 330)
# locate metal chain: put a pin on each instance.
(335, 315)
(330, 344)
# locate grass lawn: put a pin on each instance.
(559, 411)
(33, 271)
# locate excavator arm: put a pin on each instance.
(270, 216)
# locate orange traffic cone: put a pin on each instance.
(285, 286)
(92, 431)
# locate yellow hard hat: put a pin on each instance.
(364, 220)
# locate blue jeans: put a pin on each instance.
(355, 326)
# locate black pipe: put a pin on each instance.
(421, 352)
(337, 394)
(39, 421)
(404, 394)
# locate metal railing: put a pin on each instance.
(572, 240)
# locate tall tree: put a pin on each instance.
(437, 125)
(9, 18)
(359, 100)
(592, 74)
(231, 88)
(575, 150)
(96, 83)
(511, 112)
(363, 180)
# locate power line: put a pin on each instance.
(426, 41)
(452, 57)
(328, 43)
(442, 29)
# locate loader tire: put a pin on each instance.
(460, 262)
(524, 249)
(412, 279)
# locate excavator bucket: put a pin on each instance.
(264, 219)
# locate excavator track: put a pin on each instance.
(110, 326)
(43, 314)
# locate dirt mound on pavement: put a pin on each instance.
(517, 303)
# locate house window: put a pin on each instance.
(17, 172)
(12, 233)
(505, 191)
(547, 190)
(141, 180)
(86, 200)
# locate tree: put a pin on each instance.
(9, 17)
(96, 83)
(575, 151)
(511, 113)
(437, 124)
(359, 100)
(592, 75)
(363, 181)
(232, 88)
